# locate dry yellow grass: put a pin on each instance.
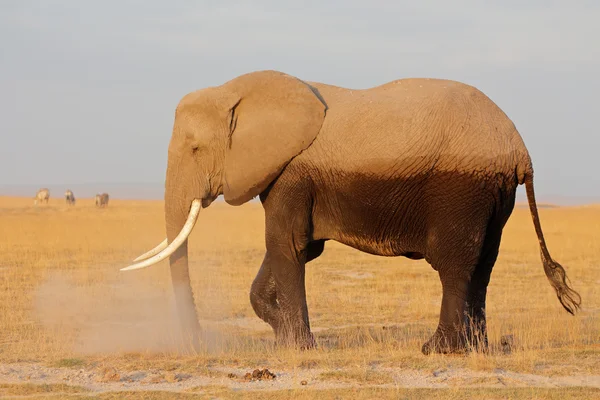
(63, 301)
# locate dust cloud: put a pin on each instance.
(119, 315)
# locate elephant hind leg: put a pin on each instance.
(463, 249)
(449, 336)
(454, 250)
(475, 318)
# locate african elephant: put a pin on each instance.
(69, 198)
(102, 200)
(42, 196)
(421, 168)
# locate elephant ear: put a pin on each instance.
(278, 116)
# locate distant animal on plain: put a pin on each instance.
(102, 200)
(69, 198)
(42, 196)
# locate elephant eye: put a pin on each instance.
(195, 149)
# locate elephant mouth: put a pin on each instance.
(208, 201)
(165, 249)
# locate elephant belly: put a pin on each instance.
(403, 216)
(377, 216)
(400, 242)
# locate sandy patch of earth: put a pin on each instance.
(108, 379)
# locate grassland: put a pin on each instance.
(71, 324)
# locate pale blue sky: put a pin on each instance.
(88, 89)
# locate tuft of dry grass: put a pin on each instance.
(30, 389)
(64, 302)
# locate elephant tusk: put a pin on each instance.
(163, 245)
(174, 245)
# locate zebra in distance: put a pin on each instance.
(69, 198)
(42, 196)
(102, 200)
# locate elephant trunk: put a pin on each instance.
(177, 221)
(184, 296)
(181, 212)
(179, 227)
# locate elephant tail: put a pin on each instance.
(569, 298)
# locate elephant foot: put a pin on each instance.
(301, 339)
(451, 341)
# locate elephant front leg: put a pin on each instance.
(278, 297)
(263, 296)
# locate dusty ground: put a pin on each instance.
(73, 325)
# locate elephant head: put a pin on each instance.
(231, 140)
